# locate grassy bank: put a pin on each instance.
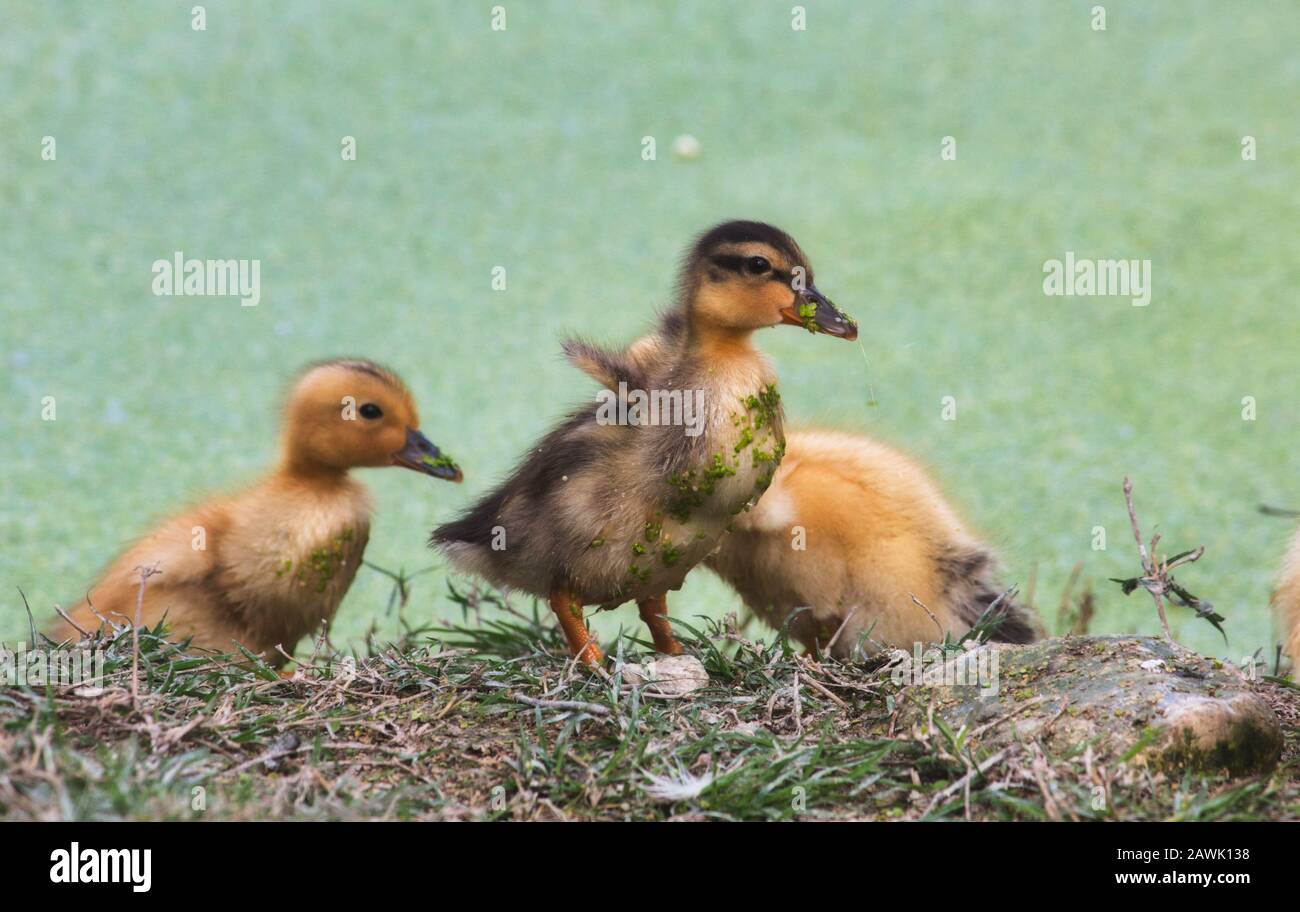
(488, 720)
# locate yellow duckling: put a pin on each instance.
(852, 530)
(267, 566)
(620, 501)
(1286, 602)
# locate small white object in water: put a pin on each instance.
(687, 147)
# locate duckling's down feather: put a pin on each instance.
(606, 367)
(599, 507)
(262, 568)
(854, 530)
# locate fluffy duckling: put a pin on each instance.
(875, 531)
(618, 504)
(1286, 602)
(265, 567)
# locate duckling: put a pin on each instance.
(853, 530)
(267, 566)
(1286, 602)
(874, 531)
(606, 508)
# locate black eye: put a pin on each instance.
(371, 411)
(757, 265)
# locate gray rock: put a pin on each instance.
(1137, 699)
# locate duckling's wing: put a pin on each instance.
(184, 552)
(609, 368)
(647, 351)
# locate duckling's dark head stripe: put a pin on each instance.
(358, 365)
(728, 261)
(361, 366)
(364, 367)
(733, 263)
(740, 232)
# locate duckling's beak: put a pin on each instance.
(421, 455)
(814, 312)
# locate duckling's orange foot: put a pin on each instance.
(591, 655)
(654, 611)
(582, 645)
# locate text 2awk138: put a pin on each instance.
(1214, 855)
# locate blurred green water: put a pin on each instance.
(522, 149)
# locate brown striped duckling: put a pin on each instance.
(620, 501)
(267, 566)
(852, 529)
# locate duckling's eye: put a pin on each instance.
(371, 411)
(757, 265)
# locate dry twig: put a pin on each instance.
(1157, 576)
(145, 573)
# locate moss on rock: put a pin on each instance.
(1131, 699)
